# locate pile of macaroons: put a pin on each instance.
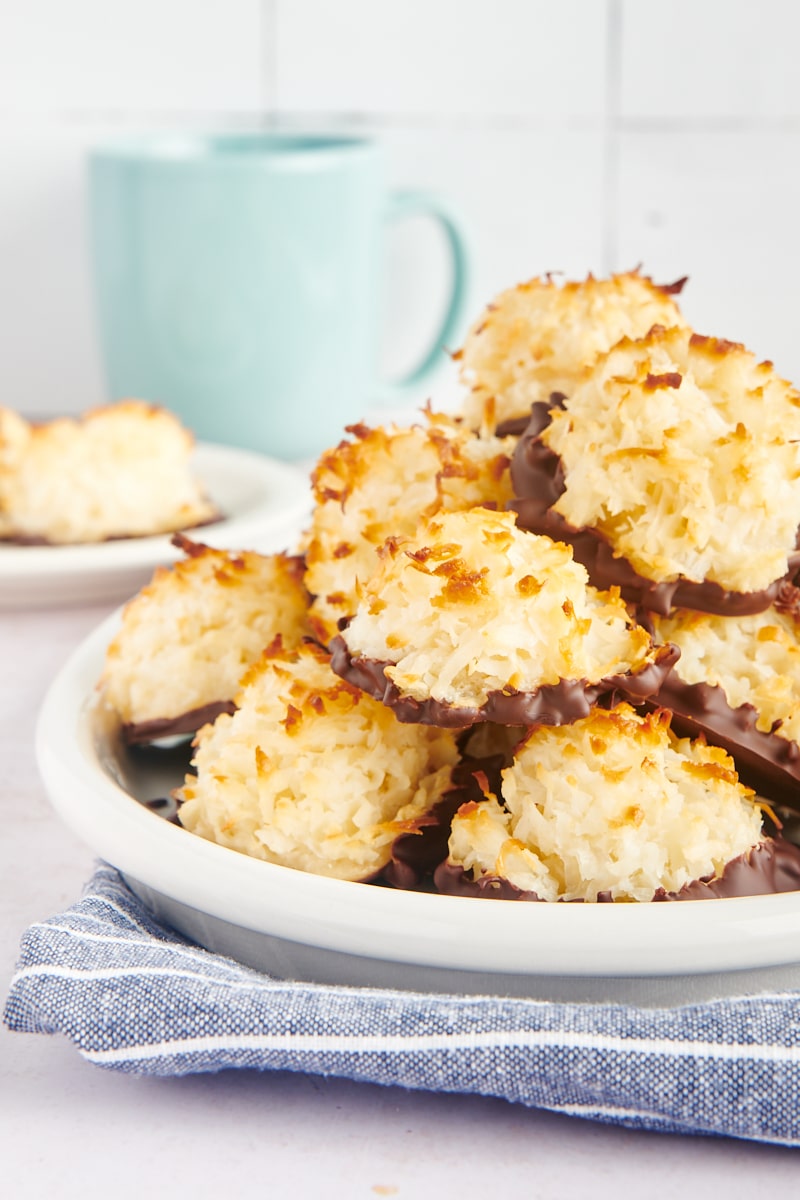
(545, 648)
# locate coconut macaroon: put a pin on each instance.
(381, 482)
(682, 454)
(473, 619)
(188, 637)
(310, 773)
(612, 807)
(541, 337)
(118, 471)
(738, 680)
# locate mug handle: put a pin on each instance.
(407, 204)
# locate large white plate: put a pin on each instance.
(306, 926)
(264, 503)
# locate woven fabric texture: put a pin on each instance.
(135, 996)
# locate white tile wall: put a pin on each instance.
(48, 357)
(436, 58)
(588, 134)
(721, 208)
(137, 56)
(729, 60)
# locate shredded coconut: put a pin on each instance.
(310, 773)
(188, 637)
(542, 336)
(471, 604)
(381, 483)
(613, 803)
(684, 452)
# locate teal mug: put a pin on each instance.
(238, 282)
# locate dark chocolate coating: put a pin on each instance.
(553, 704)
(452, 880)
(139, 732)
(766, 762)
(415, 856)
(166, 808)
(537, 475)
(512, 427)
(771, 866)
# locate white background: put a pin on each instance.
(578, 135)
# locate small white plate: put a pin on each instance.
(264, 503)
(306, 926)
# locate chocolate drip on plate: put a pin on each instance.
(452, 880)
(165, 807)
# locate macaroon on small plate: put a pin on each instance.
(297, 925)
(264, 504)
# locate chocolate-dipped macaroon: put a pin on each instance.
(674, 472)
(188, 637)
(615, 807)
(475, 620)
(381, 482)
(543, 335)
(738, 682)
(312, 774)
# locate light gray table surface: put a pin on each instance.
(69, 1129)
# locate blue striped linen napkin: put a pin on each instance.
(135, 996)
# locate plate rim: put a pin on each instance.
(19, 564)
(508, 937)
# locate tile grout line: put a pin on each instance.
(431, 121)
(610, 182)
(269, 60)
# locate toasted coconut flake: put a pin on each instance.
(699, 481)
(187, 638)
(610, 807)
(118, 471)
(471, 606)
(381, 482)
(542, 337)
(310, 773)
